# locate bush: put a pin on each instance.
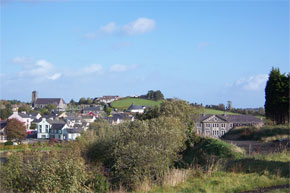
(2, 147)
(52, 172)
(99, 183)
(145, 150)
(209, 148)
(8, 143)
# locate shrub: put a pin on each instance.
(145, 150)
(99, 183)
(53, 172)
(2, 147)
(209, 148)
(8, 143)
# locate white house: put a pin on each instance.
(43, 129)
(136, 109)
(22, 117)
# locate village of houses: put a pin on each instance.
(63, 125)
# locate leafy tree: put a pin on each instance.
(44, 111)
(145, 150)
(154, 95)
(25, 108)
(89, 101)
(72, 102)
(51, 107)
(108, 110)
(158, 95)
(82, 100)
(15, 130)
(277, 97)
(6, 112)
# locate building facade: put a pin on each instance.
(217, 125)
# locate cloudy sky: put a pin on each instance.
(201, 51)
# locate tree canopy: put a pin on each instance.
(15, 130)
(277, 97)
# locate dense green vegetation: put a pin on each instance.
(277, 97)
(265, 133)
(126, 102)
(223, 182)
(155, 152)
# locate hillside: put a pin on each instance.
(217, 112)
(125, 103)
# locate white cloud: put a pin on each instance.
(118, 68)
(94, 68)
(109, 28)
(38, 69)
(54, 76)
(140, 26)
(252, 83)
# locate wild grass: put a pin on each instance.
(125, 103)
(224, 182)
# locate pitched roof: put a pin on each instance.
(45, 101)
(57, 126)
(98, 108)
(135, 107)
(34, 114)
(233, 118)
(242, 118)
(23, 115)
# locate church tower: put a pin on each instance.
(34, 97)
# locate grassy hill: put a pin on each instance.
(217, 112)
(125, 103)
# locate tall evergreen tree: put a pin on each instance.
(277, 97)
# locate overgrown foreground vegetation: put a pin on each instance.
(157, 153)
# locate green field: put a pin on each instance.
(217, 112)
(125, 103)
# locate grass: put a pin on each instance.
(217, 112)
(235, 175)
(125, 103)
(224, 182)
(265, 133)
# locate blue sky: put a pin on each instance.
(201, 51)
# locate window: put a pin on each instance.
(46, 130)
(208, 125)
(40, 130)
(40, 126)
(215, 132)
(46, 126)
(223, 132)
(223, 125)
(59, 131)
(43, 136)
